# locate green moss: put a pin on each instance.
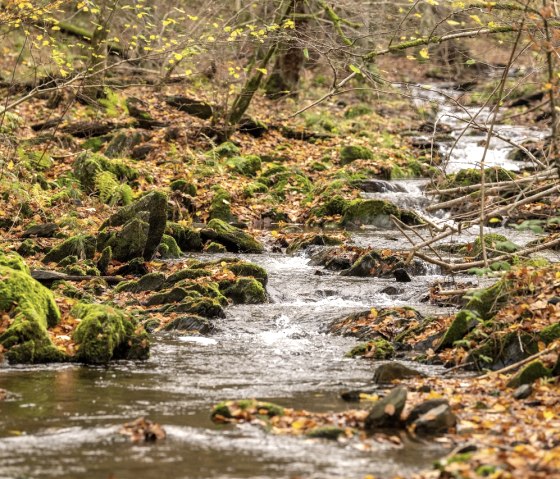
(81, 246)
(245, 165)
(106, 333)
(458, 329)
(550, 333)
(203, 307)
(221, 409)
(244, 268)
(148, 282)
(375, 212)
(246, 291)
(13, 261)
(224, 150)
(530, 374)
(376, 349)
(105, 260)
(28, 247)
(213, 247)
(129, 242)
(183, 186)
(88, 166)
(187, 273)
(234, 239)
(254, 188)
(485, 302)
(168, 248)
(493, 241)
(188, 239)
(355, 111)
(473, 176)
(326, 432)
(33, 309)
(220, 208)
(333, 205)
(350, 153)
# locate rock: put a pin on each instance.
(220, 208)
(141, 152)
(106, 333)
(244, 268)
(389, 372)
(303, 243)
(529, 374)
(187, 273)
(245, 165)
(252, 126)
(81, 246)
(88, 166)
(523, 392)
(350, 153)
(213, 247)
(149, 282)
(377, 349)
(246, 291)
(143, 224)
(438, 420)
(390, 291)
(32, 309)
(190, 106)
(168, 248)
(386, 412)
(326, 432)
(234, 239)
(13, 261)
(28, 247)
(423, 408)
(183, 186)
(135, 267)
(122, 143)
(464, 322)
(46, 230)
(187, 238)
(104, 260)
(191, 324)
(173, 295)
(375, 212)
(365, 265)
(402, 276)
(379, 186)
(199, 306)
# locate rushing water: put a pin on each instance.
(62, 420)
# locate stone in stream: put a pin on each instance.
(402, 276)
(379, 186)
(423, 408)
(234, 239)
(192, 324)
(523, 392)
(388, 372)
(386, 413)
(438, 420)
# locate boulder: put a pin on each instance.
(214, 248)
(375, 212)
(389, 372)
(529, 374)
(244, 268)
(168, 248)
(191, 324)
(386, 412)
(305, 242)
(523, 392)
(81, 246)
(107, 333)
(423, 408)
(234, 239)
(142, 227)
(148, 282)
(246, 291)
(220, 208)
(200, 306)
(46, 230)
(351, 153)
(187, 238)
(438, 420)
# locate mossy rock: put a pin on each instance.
(106, 334)
(173, 295)
(86, 268)
(351, 153)
(529, 374)
(485, 302)
(333, 205)
(190, 324)
(187, 273)
(376, 213)
(213, 247)
(254, 188)
(224, 150)
(246, 291)
(326, 432)
(244, 268)
(234, 239)
(105, 260)
(28, 247)
(493, 241)
(501, 350)
(151, 209)
(473, 176)
(550, 333)
(183, 186)
(69, 290)
(248, 165)
(13, 261)
(33, 309)
(148, 282)
(209, 289)
(355, 111)
(220, 208)
(464, 322)
(168, 248)
(201, 306)
(88, 166)
(303, 243)
(377, 349)
(81, 246)
(187, 238)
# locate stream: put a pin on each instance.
(61, 420)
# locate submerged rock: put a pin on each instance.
(106, 333)
(191, 324)
(234, 239)
(389, 372)
(386, 412)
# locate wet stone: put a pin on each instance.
(388, 372)
(523, 392)
(402, 276)
(386, 412)
(438, 420)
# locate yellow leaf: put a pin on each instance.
(424, 53)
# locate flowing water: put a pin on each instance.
(61, 420)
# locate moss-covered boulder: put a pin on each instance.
(244, 268)
(473, 176)
(32, 309)
(246, 291)
(81, 246)
(187, 238)
(350, 153)
(305, 242)
(529, 374)
(234, 239)
(496, 244)
(214, 248)
(168, 248)
(199, 306)
(106, 334)
(191, 324)
(183, 186)
(220, 208)
(28, 247)
(142, 225)
(88, 166)
(254, 188)
(148, 282)
(245, 165)
(13, 261)
(187, 273)
(464, 322)
(105, 260)
(375, 212)
(224, 150)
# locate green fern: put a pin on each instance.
(111, 191)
